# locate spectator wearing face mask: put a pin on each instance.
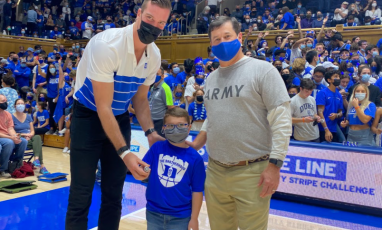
(39, 82)
(364, 75)
(312, 58)
(22, 73)
(55, 33)
(319, 21)
(330, 107)
(353, 11)
(160, 101)
(246, 23)
(14, 63)
(197, 110)
(211, 57)
(60, 22)
(172, 80)
(299, 9)
(307, 21)
(178, 97)
(304, 114)
(191, 88)
(66, 11)
(87, 28)
(213, 4)
(361, 113)
(109, 23)
(350, 22)
(238, 13)
(318, 80)
(11, 94)
(204, 20)
(340, 14)
(287, 21)
(371, 51)
(374, 13)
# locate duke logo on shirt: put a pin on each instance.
(171, 170)
(145, 66)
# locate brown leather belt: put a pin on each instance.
(243, 163)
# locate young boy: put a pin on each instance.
(304, 113)
(176, 182)
(330, 105)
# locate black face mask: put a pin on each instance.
(15, 59)
(4, 105)
(199, 98)
(148, 33)
(336, 82)
(285, 77)
(108, 20)
(279, 68)
(292, 95)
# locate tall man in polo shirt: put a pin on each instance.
(117, 67)
(249, 121)
(160, 100)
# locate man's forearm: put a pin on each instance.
(111, 127)
(142, 111)
(197, 200)
(280, 121)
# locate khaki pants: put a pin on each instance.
(233, 198)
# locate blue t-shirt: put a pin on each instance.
(332, 102)
(177, 103)
(369, 111)
(199, 113)
(39, 78)
(318, 89)
(73, 30)
(288, 19)
(175, 174)
(207, 60)
(53, 86)
(109, 26)
(172, 81)
(182, 76)
(22, 127)
(379, 84)
(296, 81)
(41, 117)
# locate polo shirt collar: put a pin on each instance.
(130, 40)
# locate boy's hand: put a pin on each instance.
(193, 224)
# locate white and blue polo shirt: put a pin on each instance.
(110, 57)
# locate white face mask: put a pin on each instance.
(374, 4)
(360, 96)
(247, 20)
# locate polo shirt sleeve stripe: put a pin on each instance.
(168, 92)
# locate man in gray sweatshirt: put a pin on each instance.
(31, 20)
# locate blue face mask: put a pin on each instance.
(355, 62)
(302, 47)
(23, 65)
(42, 99)
(77, 47)
(27, 106)
(225, 51)
(374, 69)
(282, 59)
(178, 94)
(52, 70)
(67, 78)
(342, 87)
(309, 45)
(157, 78)
(199, 81)
(365, 78)
(41, 61)
(176, 70)
(351, 70)
(37, 51)
(375, 53)
(29, 97)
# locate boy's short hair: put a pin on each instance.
(8, 80)
(307, 83)
(176, 112)
(329, 74)
(319, 69)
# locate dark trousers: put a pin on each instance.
(52, 108)
(322, 137)
(89, 144)
(158, 124)
(31, 27)
(213, 9)
(40, 131)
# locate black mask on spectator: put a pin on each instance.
(4, 105)
(108, 20)
(148, 33)
(285, 76)
(279, 68)
(199, 98)
(15, 59)
(336, 82)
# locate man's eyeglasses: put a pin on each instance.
(172, 126)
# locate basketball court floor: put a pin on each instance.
(44, 208)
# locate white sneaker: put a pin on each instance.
(68, 152)
(62, 131)
(66, 149)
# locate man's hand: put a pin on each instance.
(325, 20)
(250, 29)
(318, 119)
(193, 224)
(154, 137)
(379, 131)
(269, 179)
(328, 135)
(66, 100)
(34, 90)
(344, 123)
(333, 116)
(135, 166)
(16, 140)
(298, 20)
(41, 84)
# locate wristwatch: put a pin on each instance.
(149, 131)
(277, 162)
(121, 150)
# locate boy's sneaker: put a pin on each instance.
(62, 131)
(66, 149)
(50, 132)
(5, 175)
(36, 163)
(44, 171)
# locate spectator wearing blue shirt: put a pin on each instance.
(350, 21)
(330, 106)
(41, 119)
(22, 73)
(40, 23)
(247, 10)
(172, 80)
(211, 57)
(196, 109)
(73, 29)
(62, 51)
(299, 9)
(55, 33)
(287, 21)
(267, 16)
(109, 23)
(14, 63)
(360, 117)
(21, 52)
(177, 174)
(318, 78)
(178, 97)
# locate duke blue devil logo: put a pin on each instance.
(171, 170)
